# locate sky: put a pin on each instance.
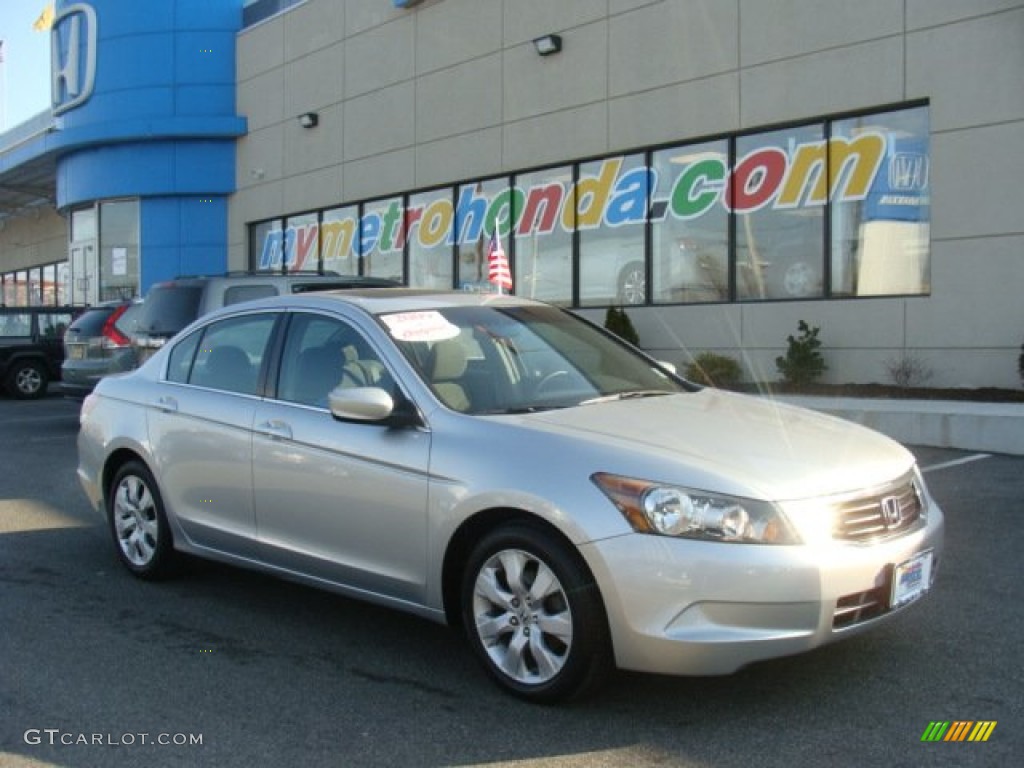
(25, 71)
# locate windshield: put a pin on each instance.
(521, 359)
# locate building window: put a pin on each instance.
(430, 224)
(543, 236)
(689, 225)
(302, 243)
(266, 245)
(339, 240)
(833, 208)
(880, 238)
(119, 250)
(479, 208)
(381, 237)
(611, 199)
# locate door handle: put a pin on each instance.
(275, 429)
(167, 404)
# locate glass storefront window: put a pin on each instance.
(381, 235)
(690, 224)
(880, 234)
(266, 245)
(780, 222)
(119, 250)
(302, 243)
(430, 219)
(21, 288)
(611, 202)
(49, 286)
(543, 236)
(479, 207)
(63, 283)
(339, 240)
(735, 219)
(83, 224)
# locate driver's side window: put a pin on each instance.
(321, 353)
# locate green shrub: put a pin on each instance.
(803, 363)
(714, 370)
(618, 322)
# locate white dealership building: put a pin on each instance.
(723, 169)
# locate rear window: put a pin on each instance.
(91, 322)
(169, 308)
(128, 323)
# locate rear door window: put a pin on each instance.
(237, 293)
(168, 309)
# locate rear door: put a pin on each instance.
(200, 422)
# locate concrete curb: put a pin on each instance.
(969, 426)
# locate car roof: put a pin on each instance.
(378, 301)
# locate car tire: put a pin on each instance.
(28, 380)
(138, 524)
(534, 615)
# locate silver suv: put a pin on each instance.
(171, 305)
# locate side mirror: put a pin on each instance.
(360, 404)
(372, 405)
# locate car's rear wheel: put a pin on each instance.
(138, 522)
(534, 615)
(27, 380)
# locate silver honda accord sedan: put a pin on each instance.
(504, 466)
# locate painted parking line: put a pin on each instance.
(957, 462)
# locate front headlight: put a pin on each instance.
(670, 510)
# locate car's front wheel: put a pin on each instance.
(27, 380)
(534, 615)
(138, 522)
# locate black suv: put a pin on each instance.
(171, 305)
(31, 347)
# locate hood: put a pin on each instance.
(737, 444)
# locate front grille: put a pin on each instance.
(879, 515)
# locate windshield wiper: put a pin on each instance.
(631, 395)
(518, 409)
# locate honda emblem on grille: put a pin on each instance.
(892, 512)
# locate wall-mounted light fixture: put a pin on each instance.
(309, 119)
(548, 44)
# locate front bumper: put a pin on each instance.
(687, 607)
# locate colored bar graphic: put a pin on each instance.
(958, 730)
(982, 730)
(935, 731)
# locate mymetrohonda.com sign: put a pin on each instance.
(808, 174)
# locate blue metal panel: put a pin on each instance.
(151, 169)
(182, 236)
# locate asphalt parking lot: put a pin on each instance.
(224, 667)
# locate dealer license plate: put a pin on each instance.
(911, 579)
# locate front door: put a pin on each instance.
(85, 274)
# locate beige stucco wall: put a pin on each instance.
(39, 236)
(452, 89)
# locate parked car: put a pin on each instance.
(31, 350)
(97, 344)
(173, 304)
(503, 465)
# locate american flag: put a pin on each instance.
(497, 264)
